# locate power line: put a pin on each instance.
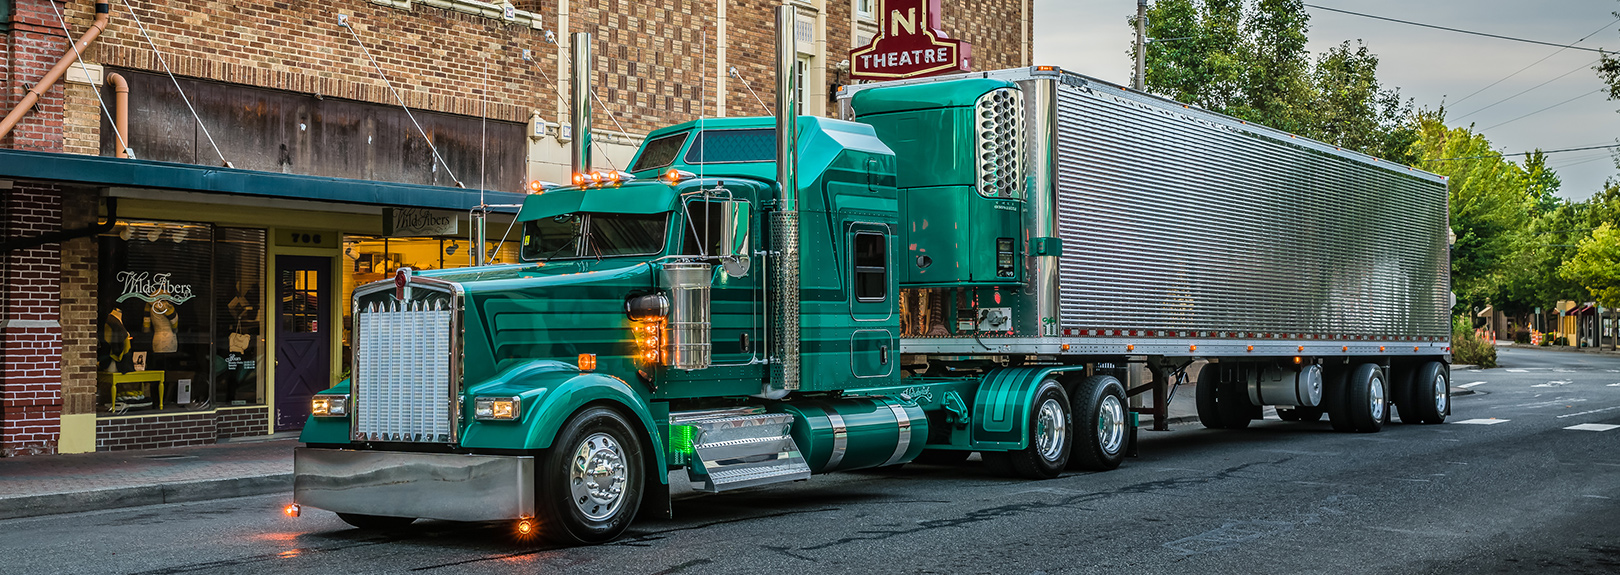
(1544, 109)
(1533, 64)
(1457, 30)
(1526, 154)
(1532, 89)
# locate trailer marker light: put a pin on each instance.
(1344, 348)
(587, 362)
(1192, 348)
(1251, 348)
(1302, 348)
(1130, 347)
(1045, 68)
(1380, 349)
(1414, 348)
(292, 510)
(1065, 347)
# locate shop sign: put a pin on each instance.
(153, 288)
(909, 44)
(408, 222)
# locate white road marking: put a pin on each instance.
(1518, 371)
(1412, 480)
(1553, 383)
(1590, 412)
(1563, 371)
(1564, 401)
(1595, 497)
(1491, 421)
(1471, 384)
(1613, 385)
(1592, 427)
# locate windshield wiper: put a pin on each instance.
(559, 250)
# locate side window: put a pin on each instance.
(704, 230)
(871, 267)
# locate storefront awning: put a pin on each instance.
(101, 171)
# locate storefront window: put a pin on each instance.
(176, 299)
(372, 258)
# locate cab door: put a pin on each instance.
(873, 291)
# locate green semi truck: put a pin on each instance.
(972, 263)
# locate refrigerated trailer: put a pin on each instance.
(963, 264)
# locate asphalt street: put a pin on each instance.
(1524, 477)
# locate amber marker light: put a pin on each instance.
(1296, 360)
(1344, 348)
(291, 510)
(673, 176)
(587, 362)
(535, 187)
(1414, 348)
(1192, 348)
(1251, 348)
(1380, 349)
(579, 179)
(1130, 347)
(1065, 347)
(526, 527)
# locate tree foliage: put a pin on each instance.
(1596, 266)
(1247, 59)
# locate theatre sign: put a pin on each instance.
(909, 44)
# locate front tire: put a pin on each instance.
(1099, 399)
(588, 486)
(1050, 435)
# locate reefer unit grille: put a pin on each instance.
(402, 372)
(1179, 220)
(998, 119)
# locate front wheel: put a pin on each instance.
(1049, 437)
(1099, 400)
(588, 487)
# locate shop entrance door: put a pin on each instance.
(303, 342)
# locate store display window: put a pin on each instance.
(180, 318)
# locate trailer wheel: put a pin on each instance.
(1208, 390)
(1335, 381)
(1050, 436)
(375, 522)
(1099, 399)
(1430, 393)
(588, 485)
(1401, 393)
(1366, 398)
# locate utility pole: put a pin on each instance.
(1141, 41)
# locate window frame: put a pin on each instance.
(856, 269)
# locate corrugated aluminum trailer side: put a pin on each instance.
(1189, 233)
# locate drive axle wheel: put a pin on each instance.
(1430, 393)
(1099, 404)
(375, 522)
(1050, 434)
(588, 485)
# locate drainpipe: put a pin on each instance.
(65, 235)
(103, 13)
(120, 113)
(785, 220)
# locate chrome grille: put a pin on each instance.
(402, 372)
(999, 118)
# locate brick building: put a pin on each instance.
(198, 290)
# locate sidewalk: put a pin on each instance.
(50, 484)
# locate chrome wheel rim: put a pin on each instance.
(1440, 397)
(597, 476)
(1377, 396)
(1050, 430)
(1110, 425)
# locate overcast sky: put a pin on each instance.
(1091, 37)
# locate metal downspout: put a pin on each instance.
(120, 112)
(103, 14)
(785, 220)
(65, 235)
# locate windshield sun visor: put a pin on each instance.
(651, 198)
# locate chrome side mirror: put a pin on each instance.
(734, 254)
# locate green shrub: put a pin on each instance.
(1469, 349)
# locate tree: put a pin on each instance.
(1596, 265)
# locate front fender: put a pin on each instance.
(1001, 406)
(551, 391)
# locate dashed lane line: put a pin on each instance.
(1592, 427)
(1474, 383)
(1554, 383)
(1589, 412)
(1490, 421)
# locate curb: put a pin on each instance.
(141, 495)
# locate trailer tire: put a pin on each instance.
(1430, 393)
(375, 522)
(1367, 398)
(1208, 392)
(588, 485)
(1402, 394)
(1236, 410)
(1335, 380)
(1051, 435)
(1100, 399)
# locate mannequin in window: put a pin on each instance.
(163, 319)
(114, 343)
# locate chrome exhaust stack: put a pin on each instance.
(785, 220)
(579, 105)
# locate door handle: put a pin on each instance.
(883, 354)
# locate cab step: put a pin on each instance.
(727, 451)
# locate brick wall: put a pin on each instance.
(31, 351)
(36, 43)
(243, 422)
(157, 432)
(79, 309)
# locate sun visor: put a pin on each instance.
(632, 198)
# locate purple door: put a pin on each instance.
(303, 342)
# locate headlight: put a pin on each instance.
(496, 408)
(330, 405)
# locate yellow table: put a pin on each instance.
(143, 378)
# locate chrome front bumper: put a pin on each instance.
(424, 485)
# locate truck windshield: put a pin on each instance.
(593, 235)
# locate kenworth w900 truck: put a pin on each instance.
(967, 264)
